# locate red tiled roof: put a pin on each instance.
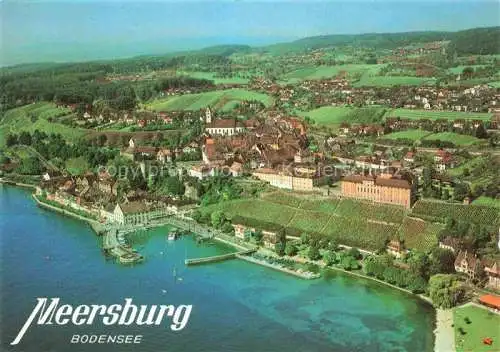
(490, 300)
(385, 182)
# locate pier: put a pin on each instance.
(114, 243)
(218, 258)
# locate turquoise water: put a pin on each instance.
(237, 306)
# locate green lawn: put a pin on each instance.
(414, 135)
(435, 115)
(482, 324)
(19, 119)
(457, 139)
(218, 99)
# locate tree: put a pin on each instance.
(467, 72)
(228, 228)
(329, 257)
(416, 284)
(11, 139)
(313, 253)
(25, 138)
(355, 253)
(446, 291)
(442, 261)
(279, 247)
(305, 238)
(481, 132)
(419, 265)
(217, 218)
(461, 191)
(348, 262)
(290, 249)
(30, 166)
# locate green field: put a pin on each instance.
(335, 115)
(389, 81)
(212, 77)
(19, 119)
(482, 324)
(436, 115)
(487, 201)
(414, 135)
(459, 69)
(457, 139)
(361, 224)
(219, 100)
(322, 72)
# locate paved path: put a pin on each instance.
(445, 334)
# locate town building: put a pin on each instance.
(299, 179)
(136, 212)
(467, 263)
(492, 269)
(225, 127)
(381, 189)
(396, 248)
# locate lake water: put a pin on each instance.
(237, 306)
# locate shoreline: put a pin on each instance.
(441, 331)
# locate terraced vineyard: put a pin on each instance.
(419, 234)
(350, 222)
(438, 211)
(380, 212)
(282, 198)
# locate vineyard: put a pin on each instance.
(282, 198)
(438, 211)
(380, 212)
(419, 234)
(350, 222)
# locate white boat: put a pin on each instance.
(172, 236)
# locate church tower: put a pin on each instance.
(208, 115)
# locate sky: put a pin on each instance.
(73, 30)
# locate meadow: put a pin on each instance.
(477, 323)
(36, 117)
(335, 115)
(457, 139)
(487, 201)
(436, 115)
(389, 81)
(323, 72)
(219, 100)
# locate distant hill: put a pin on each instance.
(471, 41)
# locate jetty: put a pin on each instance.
(115, 244)
(218, 258)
